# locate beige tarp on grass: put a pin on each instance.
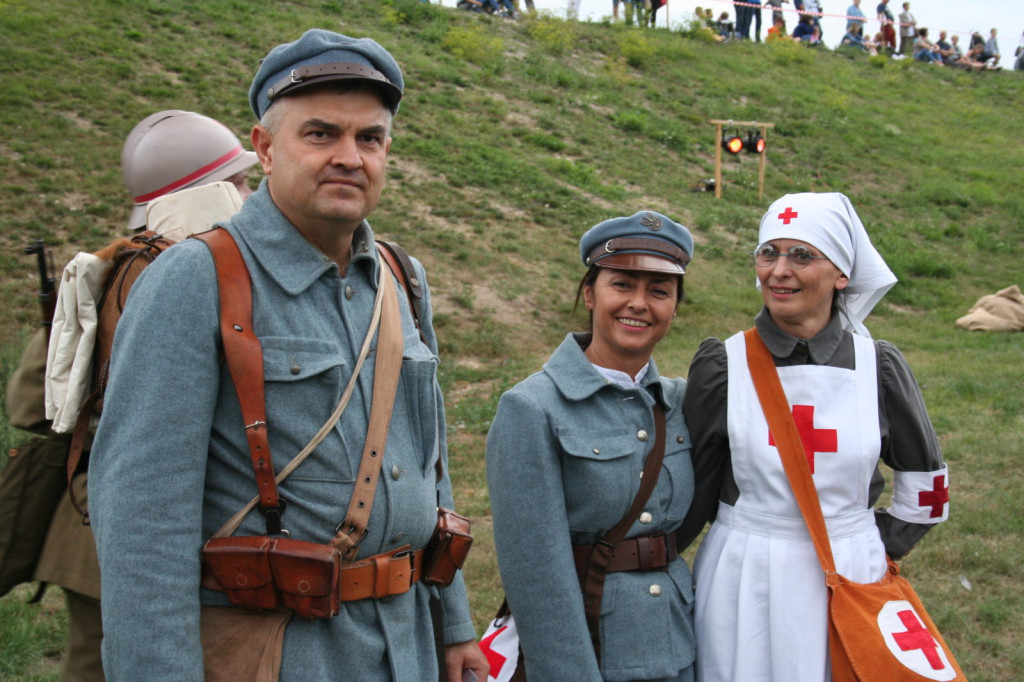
(999, 312)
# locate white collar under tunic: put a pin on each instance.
(614, 376)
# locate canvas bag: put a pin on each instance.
(877, 631)
(32, 485)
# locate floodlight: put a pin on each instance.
(732, 143)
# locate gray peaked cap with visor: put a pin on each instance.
(321, 56)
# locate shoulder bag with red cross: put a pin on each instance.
(877, 631)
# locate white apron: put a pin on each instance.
(761, 602)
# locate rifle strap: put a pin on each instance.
(77, 447)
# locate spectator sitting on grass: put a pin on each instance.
(991, 53)
(806, 31)
(972, 60)
(725, 27)
(925, 50)
(855, 38)
(778, 30)
(956, 54)
(945, 49)
(701, 24)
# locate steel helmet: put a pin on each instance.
(173, 150)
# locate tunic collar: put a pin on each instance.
(820, 348)
(576, 378)
(281, 250)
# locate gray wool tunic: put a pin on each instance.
(564, 457)
(170, 463)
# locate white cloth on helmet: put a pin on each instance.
(828, 222)
(178, 215)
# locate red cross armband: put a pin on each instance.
(921, 496)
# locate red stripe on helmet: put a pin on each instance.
(178, 184)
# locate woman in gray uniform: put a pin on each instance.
(564, 460)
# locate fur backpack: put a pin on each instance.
(93, 292)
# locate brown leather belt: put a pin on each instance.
(382, 575)
(644, 553)
(376, 577)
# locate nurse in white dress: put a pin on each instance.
(761, 599)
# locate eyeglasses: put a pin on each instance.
(766, 255)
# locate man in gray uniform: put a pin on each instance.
(171, 461)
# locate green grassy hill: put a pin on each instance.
(513, 139)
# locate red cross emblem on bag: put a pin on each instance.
(500, 645)
(913, 645)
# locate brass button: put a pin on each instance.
(349, 293)
(597, 451)
(654, 590)
(396, 473)
(641, 436)
(680, 439)
(646, 518)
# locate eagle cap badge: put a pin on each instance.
(651, 222)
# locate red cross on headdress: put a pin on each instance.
(788, 215)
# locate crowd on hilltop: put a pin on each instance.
(913, 40)
(981, 54)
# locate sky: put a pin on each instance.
(953, 16)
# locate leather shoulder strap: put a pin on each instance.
(777, 412)
(244, 356)
(386, 370)
(401, 265)
(593, 579)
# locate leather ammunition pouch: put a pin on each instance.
(260, 572)
(446, 551)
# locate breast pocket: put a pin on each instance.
(418, 422)
(600, 469)
(303, 382)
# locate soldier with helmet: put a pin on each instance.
(164, 153)
(174, 150)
